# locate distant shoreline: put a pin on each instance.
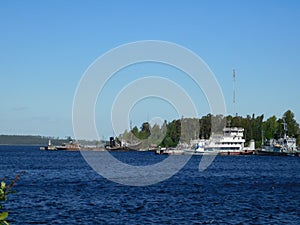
(20, 145)
(36, 140)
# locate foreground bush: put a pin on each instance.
(4, 191)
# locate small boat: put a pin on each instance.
(50, 146)
(69, 146)
(199, 147)
(169, 151)
(115, 145)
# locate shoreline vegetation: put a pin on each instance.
(254, 127)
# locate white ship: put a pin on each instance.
(232, 142)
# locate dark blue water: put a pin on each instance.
(60, 188)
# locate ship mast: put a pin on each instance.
(284, 129)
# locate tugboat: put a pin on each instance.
(72, 145)
(115, 145)
(282, 147)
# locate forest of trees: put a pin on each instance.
(185, 129)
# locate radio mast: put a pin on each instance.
(234, 105)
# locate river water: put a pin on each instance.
(59, 187)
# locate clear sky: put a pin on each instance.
(46, 46)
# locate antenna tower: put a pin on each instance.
(234, 105)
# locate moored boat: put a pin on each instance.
(169, 151)
(285, 146)
(50, 146)
(69, 146)
(115, 145)
(230, 143)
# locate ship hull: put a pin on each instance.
(248, 152)
(270, 153)
(122, 148)
(231, 153)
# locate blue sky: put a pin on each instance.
(46, 46)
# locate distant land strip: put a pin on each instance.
(36, 140)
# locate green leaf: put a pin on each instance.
(3, 185)
(3, 222)
(3, 215)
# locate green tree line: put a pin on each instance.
(185, 129)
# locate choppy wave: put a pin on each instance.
(60, 188)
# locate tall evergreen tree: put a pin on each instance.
(292, 125)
